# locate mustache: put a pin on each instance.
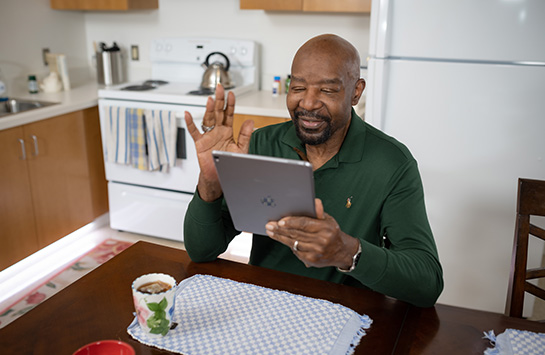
(310, 114)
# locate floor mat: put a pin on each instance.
(99, 255)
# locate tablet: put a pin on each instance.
(259, 189)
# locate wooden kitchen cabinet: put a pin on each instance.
(353, 6)
(108, 5)
(18, 237)
(57, 188)
(356, 6)
(272, 5)
(259, 121)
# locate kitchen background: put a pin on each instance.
(30, 25)
(27, 26)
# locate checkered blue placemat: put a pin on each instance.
(516, 342)
(221, 316)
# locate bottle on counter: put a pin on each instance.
(3, 88)
(32, 84)
(288, 81)
(276, 86)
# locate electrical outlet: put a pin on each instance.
(44, 55)
(135, 53)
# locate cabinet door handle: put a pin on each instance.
(36, 151)
(23, 149)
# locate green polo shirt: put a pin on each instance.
(379, 178)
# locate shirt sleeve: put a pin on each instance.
(407, 267)
(208, 229)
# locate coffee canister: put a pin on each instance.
(110, 65)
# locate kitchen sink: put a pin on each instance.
(13, 106)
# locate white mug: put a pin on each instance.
(154, 310)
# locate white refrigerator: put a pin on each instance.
(462, 84)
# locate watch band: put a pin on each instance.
(355, 260)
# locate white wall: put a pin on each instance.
(278, 33)
(27, 26)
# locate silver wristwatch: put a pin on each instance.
(355, 260)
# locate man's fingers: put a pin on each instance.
(209, 118)
(319, 208)
(219, 105)
(230, 109)
(191, 128)
(244, 135)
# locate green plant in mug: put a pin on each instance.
(158, 322)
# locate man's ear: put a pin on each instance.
(360, 86)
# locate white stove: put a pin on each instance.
(154, 202)
(178, 63)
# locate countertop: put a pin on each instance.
(78, 98)
(260, 103)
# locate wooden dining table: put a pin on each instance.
(99, 306)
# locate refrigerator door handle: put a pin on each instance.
(379, 43)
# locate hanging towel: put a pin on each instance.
(117, 141)
(137, 134)
(161, 131)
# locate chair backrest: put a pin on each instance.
(530, 202)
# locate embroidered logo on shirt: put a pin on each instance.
(349, 202)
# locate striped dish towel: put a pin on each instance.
(161, 131)
(117, 147)
(137, 133)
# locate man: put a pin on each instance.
(371, 228)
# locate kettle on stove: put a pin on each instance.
(216, 73)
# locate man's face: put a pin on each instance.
(320, 96)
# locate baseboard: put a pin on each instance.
(42, 265)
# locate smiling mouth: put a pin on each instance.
(310, 124)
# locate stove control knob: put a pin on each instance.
(168, 47)
(243, 50)
(158, 47)
(233, 50)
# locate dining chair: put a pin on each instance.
(530, 202)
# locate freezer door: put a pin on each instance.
(484, 30)
(474, 130)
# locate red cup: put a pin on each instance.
(106, 347)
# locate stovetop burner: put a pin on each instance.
(141, 87)
(145, 86)
(202, 92)
(155, 82)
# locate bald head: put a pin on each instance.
(328, 46)
(325, 84)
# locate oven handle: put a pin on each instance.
(181, 140)
(181, 149)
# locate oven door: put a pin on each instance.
(184, 176)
